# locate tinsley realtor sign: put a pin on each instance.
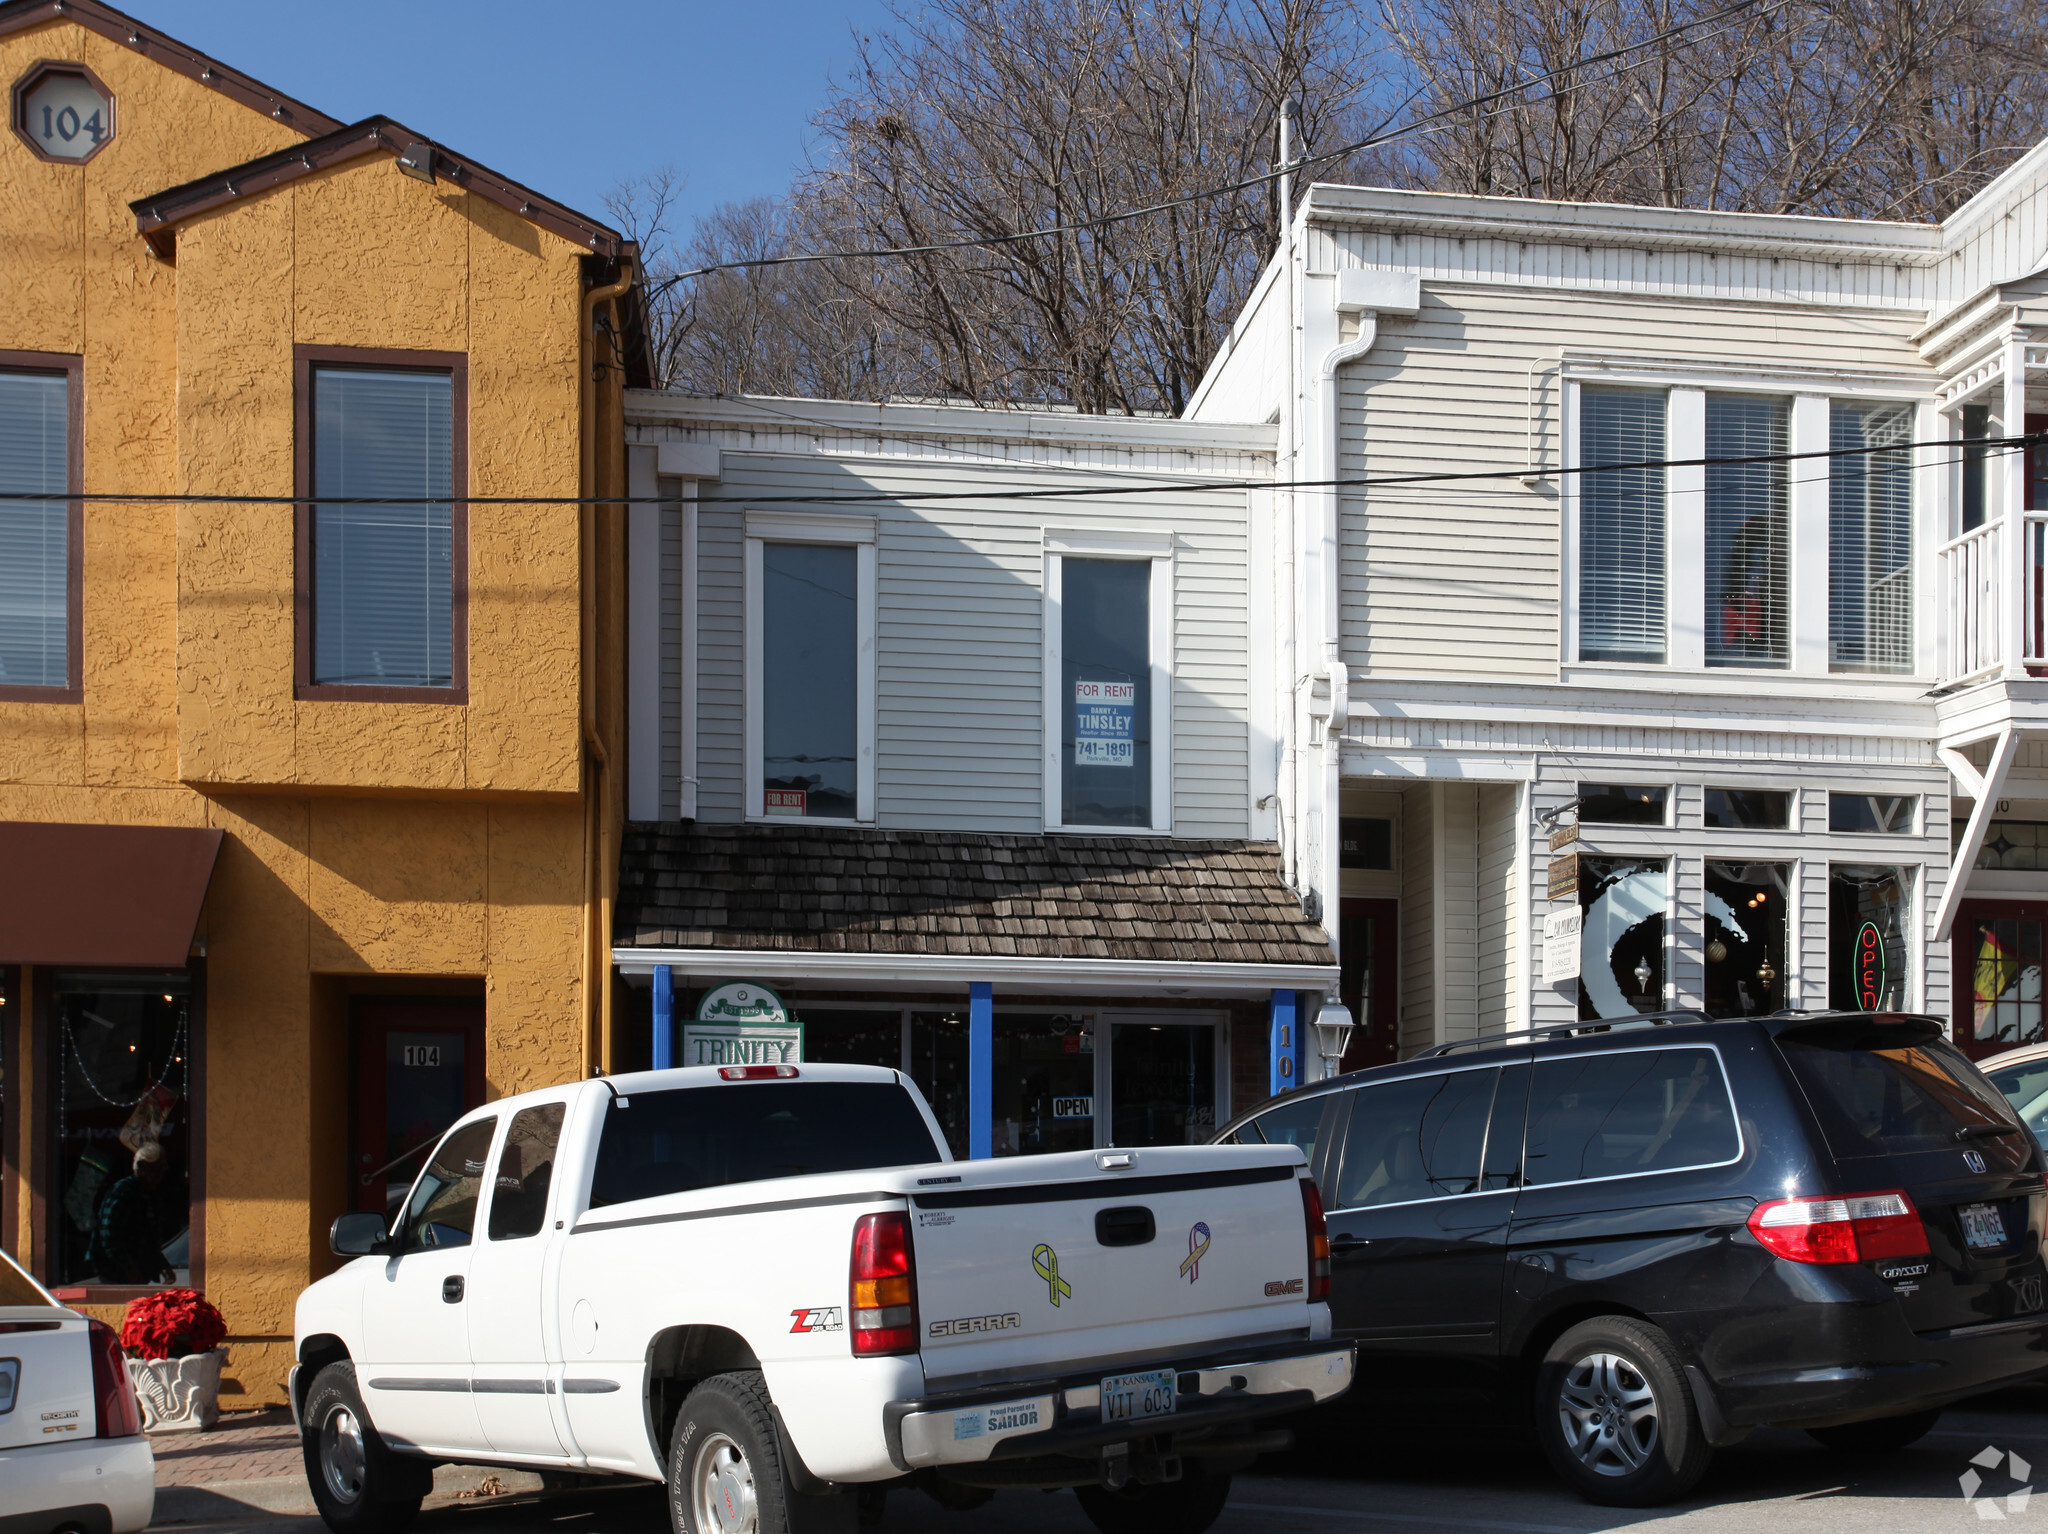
(742, 1023)
(1103, 716)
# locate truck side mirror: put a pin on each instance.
(358, 1235)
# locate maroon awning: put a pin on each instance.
(118, 895)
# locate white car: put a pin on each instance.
(2022, 1075)
(72, 1456)
(770, 1287)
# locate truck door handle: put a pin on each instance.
(451, 1289)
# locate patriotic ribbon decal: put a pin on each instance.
(1045, 1262)
(1198, 1248)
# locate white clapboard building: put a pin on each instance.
(1732, 736)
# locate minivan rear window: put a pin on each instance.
(1630, 1111)
(1879, 1102)
(706, 1137)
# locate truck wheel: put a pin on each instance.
(1878, 1436)
(359, 1485)
(1186, 1506)
(1616, 1417)
(725, 1471)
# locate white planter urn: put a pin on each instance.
(178, 1395)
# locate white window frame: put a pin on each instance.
(1685, 383)
(764, 527)
(1157, 549)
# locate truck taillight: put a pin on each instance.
(1318, 1241)
(884, 1286)
(1857, 1228)
(117, 1413)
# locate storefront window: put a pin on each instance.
(938, 1064)
(1043, 1091)
(1623, 804)
(1621, 966)
(1888, 814)
(1747, 809)
(1164, 1083)
(123, 1128)
(2015, 846)
(1747, 908)
(2004, 979)
(854, 1038)
(1868, 965)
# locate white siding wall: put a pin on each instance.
(2001, 234)
(1418, 918)
(1457, 911)
(671, 629)
(1498, 959)
(721, 659)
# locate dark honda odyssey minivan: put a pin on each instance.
(1648, 1238)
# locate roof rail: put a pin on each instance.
(1602, 1025)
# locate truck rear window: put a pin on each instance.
(706, 1137)
(1874, 1101)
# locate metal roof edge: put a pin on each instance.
(955, 971)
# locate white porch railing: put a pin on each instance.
(1973, 586)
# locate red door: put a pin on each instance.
(1996, 974)
(1369, 942)
(419, 1067)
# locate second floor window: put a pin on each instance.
(810, 648)
(1106, 660)
(1746, 618)
(383, 576)
(35, 535)
(1621, 526)
(1870, 539)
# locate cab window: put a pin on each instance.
(526, 1170)
(442, 1209)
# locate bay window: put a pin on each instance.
(39, 538)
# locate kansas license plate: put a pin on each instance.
(1130, 1397)
(1983, 1226)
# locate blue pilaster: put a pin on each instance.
(1284, 1045)
(981, 1046)
(664, 1018)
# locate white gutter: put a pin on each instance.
(953, 972)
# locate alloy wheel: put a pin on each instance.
(1609, 1414)
(722, 1488)
(343, 1457)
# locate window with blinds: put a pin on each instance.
(1621, 526)
(1747, 539)
(1870, 538)
(34, 534)
(383, 577)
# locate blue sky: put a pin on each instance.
(566, 98)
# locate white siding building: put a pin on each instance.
(1769, 696)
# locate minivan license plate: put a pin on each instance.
(1982, 1225)
(1129, 1397)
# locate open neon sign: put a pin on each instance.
(1869, 967)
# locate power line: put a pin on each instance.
(1373, 140)
(1961, 446)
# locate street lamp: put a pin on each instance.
(1333, 1034)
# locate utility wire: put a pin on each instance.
(1952, 445)
(1377, 137)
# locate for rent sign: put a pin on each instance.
(1104, 717)
(742, 1023)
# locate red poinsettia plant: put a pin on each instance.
(170, 1324)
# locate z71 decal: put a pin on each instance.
(818, 1318)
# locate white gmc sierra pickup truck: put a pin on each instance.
(771, 1288)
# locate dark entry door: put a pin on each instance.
(1369, 940)
(1996, 970)
(419, 1067)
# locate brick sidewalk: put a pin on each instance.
(245, 1446)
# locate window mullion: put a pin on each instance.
(1809, 576)
(1685, 540)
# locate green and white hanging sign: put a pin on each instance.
(742, 1023)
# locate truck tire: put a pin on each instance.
(359, 1485)
(1616, 1417)
(1186, 1506)
(725, 1469)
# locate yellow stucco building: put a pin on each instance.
(307, 718)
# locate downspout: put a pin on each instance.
(597, 904)
(1286, 462)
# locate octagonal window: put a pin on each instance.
(63, 111)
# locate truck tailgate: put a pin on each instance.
(1040, 1265)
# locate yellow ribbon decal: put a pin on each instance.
(1045, 1262)
(1198, 1248)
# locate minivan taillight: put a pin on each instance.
(116, 1411)
(1856, 1228)
(1318, 1241)
(884, 1288)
